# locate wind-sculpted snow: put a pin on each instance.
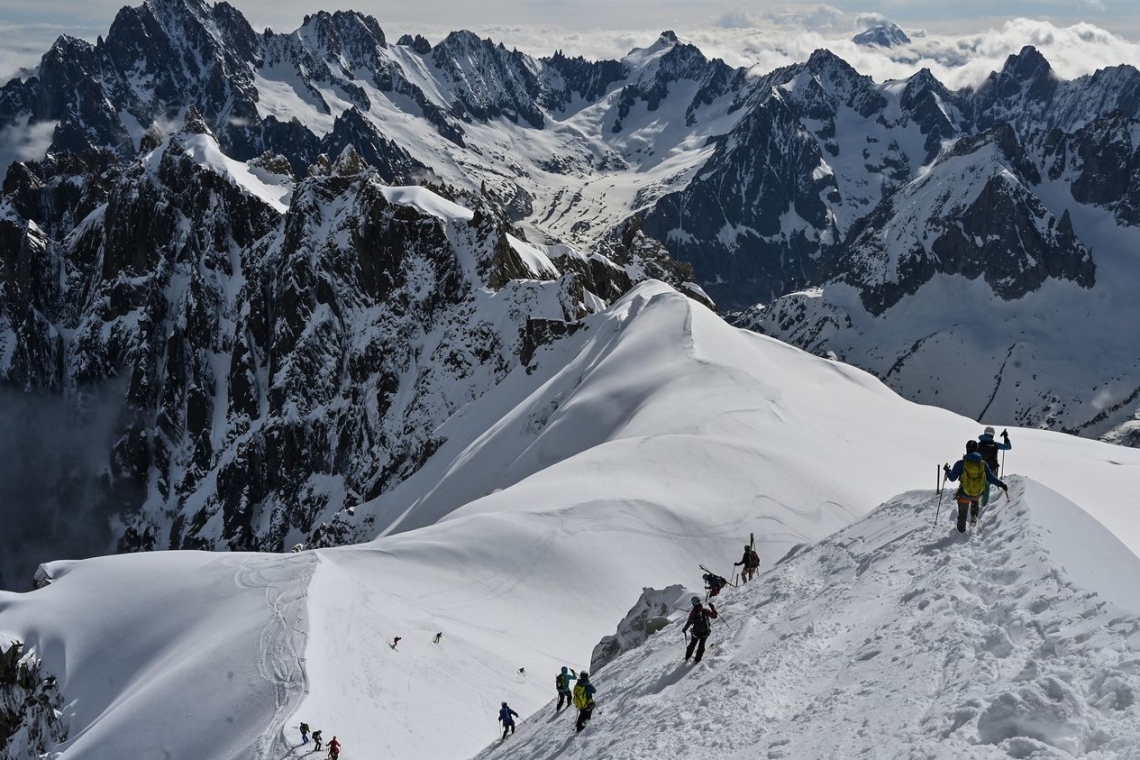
(895, 637)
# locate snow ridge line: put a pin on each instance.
(889, 640)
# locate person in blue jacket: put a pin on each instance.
(562, 683)
(989, 449)
(975, 474)
(507, 718)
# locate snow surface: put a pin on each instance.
(891, 639)
(653, 439)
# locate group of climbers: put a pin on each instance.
(975, 473)
(318, 742)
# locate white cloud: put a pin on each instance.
(865, 21)
(958, 60)
(23, 142)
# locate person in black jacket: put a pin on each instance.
(700, 621)
(507, 718)
(989, 449)
(750, 562)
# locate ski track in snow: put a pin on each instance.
(894, 638)
(281, 653)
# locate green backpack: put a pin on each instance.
(973, 477)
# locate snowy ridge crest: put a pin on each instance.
(892, 637)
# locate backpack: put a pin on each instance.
(973, 477)
(701, 626)
(753, 558)
(582, 698)
(989, 450)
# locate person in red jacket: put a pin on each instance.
(334, 749)
(699, 621)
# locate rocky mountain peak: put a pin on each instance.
(1025, 76)
(348, 33)
(195, 124)
(1027, 66)
(882, 35)
(417, 43)
(1010, 149)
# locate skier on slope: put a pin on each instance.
(304, 733)
(699, 621)
(975, 474)
(334, 749)
(750, 562)
(562, 683)
(438, 636)
(584, 700)
(989, 449)
(507, 718)
(317, 741)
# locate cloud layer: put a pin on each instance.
(958, 60)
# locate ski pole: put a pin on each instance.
(941, 488)
(730, 628)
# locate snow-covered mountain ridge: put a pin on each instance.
(892, 639)
(654, 438)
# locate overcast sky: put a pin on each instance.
(959, 39)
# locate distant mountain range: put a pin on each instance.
(224, 221)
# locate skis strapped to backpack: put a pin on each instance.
(710, 572)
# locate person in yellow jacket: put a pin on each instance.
(584, 699)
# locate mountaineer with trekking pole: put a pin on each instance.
(975, 475)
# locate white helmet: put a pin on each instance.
(988, 431)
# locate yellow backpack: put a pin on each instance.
(581, 698)
(973, 477)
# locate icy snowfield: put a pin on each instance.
(654, 439)
(891, 639)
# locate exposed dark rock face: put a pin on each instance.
(489, 82)
(1102, 162)
(279, 368)
(577, 77)
(392, 162)
(32, 720)
(986, 224)
(770, 162)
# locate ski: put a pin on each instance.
(710, 572)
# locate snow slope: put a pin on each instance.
(892, 639)
(653, 439)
